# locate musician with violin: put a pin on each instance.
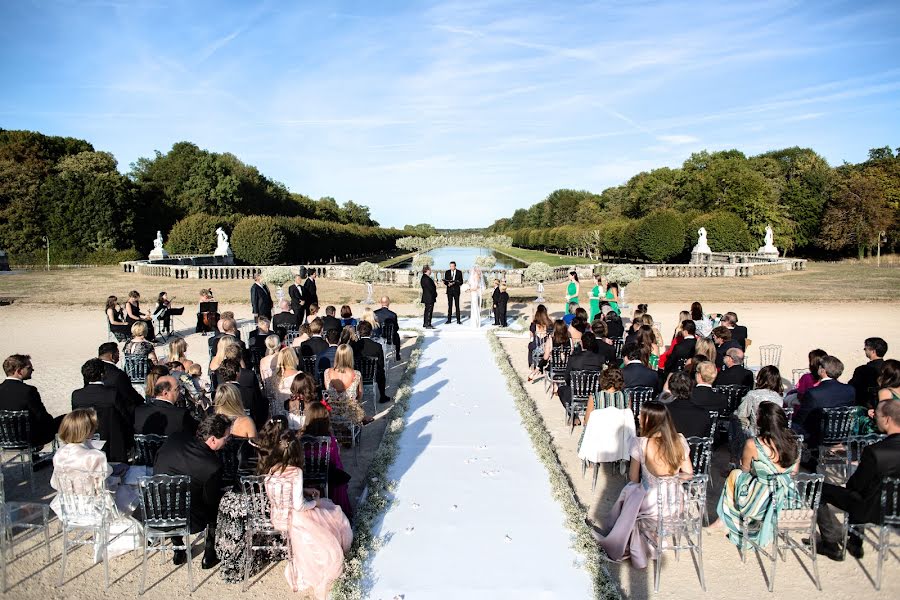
(164, 312)
(133, 314)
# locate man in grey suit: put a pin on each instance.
(429, 296)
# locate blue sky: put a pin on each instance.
(454, 113)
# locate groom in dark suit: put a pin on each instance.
(260, 298)
(453, 282)
(429, 296)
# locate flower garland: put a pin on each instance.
(378, 495)
(563, 491)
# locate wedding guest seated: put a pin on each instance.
(153, 375)
(348, 336)
(329, 321)
(598, 328)
(585, 358)
(134, 315)
(733, 371)
(614, 327)
(660, 452)
(312, 311)
(266, 363)
(865, 377)
(541, 327)
(252, 400)
(635, 372)
(319, 531)
(738, 332)
(762, 485)
(284, 320)
(703, 394)
(343, 384)
(318, 424)
(304, 333)
(689, 418)
(228, 326)
(303, 392)
(367, 347)
(861, 496)
(570, 313)
(830, 393)
(159, 415)
(722, 339)
(684, 348)
(79, 458)
(138, 346)
(278, 386)
(385, 315)
(120, 328)
(115, 422)
(703, 323)
(634, 326)
(178, 352)
(229, 403)
(233, 352)
(115, 377)
(649, 348)
(705, 348)
(196, 455)
(347, 316)
(576, 328)
(17, 395)
(326, 358)
(811, 379)
(676, 337)
(316, 344)
(612, 385)
(369, 316)
(224, 342)
(743, 423)
(256, 341)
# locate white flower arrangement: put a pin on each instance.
(624, 275)
(538, 271)
(420, 244)
(421, 260)
(584, 543)
(366, 272)
(277, 276)
(485, 261)
(378, 496)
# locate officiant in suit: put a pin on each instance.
(309, 289)
(298, 299)
(260, 298)
(453, 280)
(429, 296)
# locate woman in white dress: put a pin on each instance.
(476, 289)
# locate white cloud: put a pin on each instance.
(678, 140)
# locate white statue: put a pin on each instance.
(222, 246)
(158, 250)
(702, 246)
(768, 241)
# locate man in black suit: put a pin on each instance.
(115, 422)
(733, 372)
(196, 456)
(722, 338)
(585, 359)
(738, 332)
(703, 395)
(298, 300)
(316, 344)
(326, 357)
(284, 320)
(385, 315)
(309, 289)
(127, 398)
(15, 394)
(684, 349)
(453, 280)
(690, 419)
(367, 347)
(260, 298)
(865, 377)
(256, 341)
(228, 326)
(861, 497)
(329, 321)
(429, 296)
(830, 393)
(159, 414)
(634, 372)
(231, 371)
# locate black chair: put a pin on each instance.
(311, 367)
(317, 460)
(584, 385)
(835, 427)
(368, 367)
(733, 396)
(555, 371)
(15, 438)
(636, 398)
(713, 422)
(618, 345)
(388, 330)
(146, 446)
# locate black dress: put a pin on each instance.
(151, 336)
(122, 333)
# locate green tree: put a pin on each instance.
(856, 214)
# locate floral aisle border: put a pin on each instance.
(378, 494)
(561, 485)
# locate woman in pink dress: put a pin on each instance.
(317, 423)
(319, 531)
(659, 452)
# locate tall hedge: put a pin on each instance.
(196, 234)
(259, 241)
(726, 232)
(661, 236)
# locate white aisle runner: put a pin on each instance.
(473, 516)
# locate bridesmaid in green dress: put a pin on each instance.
(612, 296)
(572, 288)
(595, 298)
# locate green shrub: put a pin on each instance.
(259, 241)
(726, 232)
(196, 234)
(74, 257)
(661, 236)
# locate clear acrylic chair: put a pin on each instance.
(701, 457)
(146, 445)
(317, 459)
(789, 413)
(770, 354)
(854, 447)
(86, 507)
(618, 346)
(636, 398)
(30, 516)
(890, 523)
(368, 367)
(584, 384)
(713, 422)
(835, 427)
(681, 504)
(797, 515)
(554, 372)
(387, 341)
(15, 433)
(166, 506)
(796, 374)
(348, 433)
(259, 517)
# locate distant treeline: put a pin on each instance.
(815, 209)
(61, 188)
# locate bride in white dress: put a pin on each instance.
(476, 289)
